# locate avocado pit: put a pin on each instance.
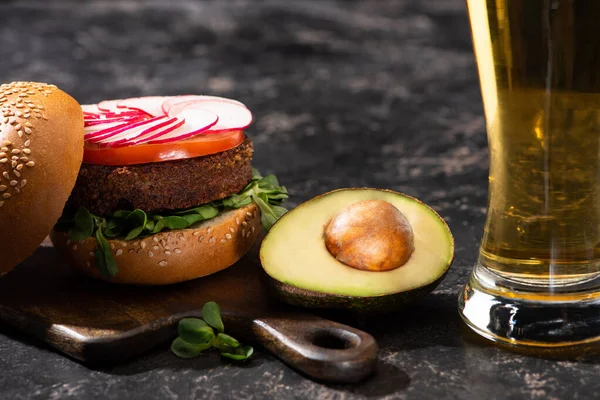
(370, 235)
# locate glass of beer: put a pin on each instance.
(537, 279)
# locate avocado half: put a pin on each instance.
(301, 271)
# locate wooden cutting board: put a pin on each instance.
(101, 323)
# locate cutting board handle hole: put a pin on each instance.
(335, 339)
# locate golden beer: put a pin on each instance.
(537, 279)
(539, 63)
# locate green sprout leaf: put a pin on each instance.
(104, 259)
(183, 349)
(212, 315)
(83, 225)
(195, 331)
(225, 342)
(240, 353)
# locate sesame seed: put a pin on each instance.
(131, 250)
(112, 246)
(24, 159)
(20, 133)
(249, 214)
(68, 242)
(14, 183)
(17, 173)
(150, 254)
(92, 254)
(163, 242)
(237, 220)
(143, 245)
(201, 238)
(248, 234)
(244, 223)
(26, 115)
(209, 230)
(139, 251)
(30, 164)
(27, 151)
(18, 126)
(222, 240)
(155, 239)
(119, 252)
(177, 251)
(211, 240)
(167, 248)
(19, 167)
(196, 233)
(17, 190)
(88, 264)
(14, 163)
(27, 130)
(27, 143)
(155, 247)
(252, 229)
(3, 188)
(163, 263)
(74, 247)
(28, 124)
(7, 143)
(168, 253)
(23, 182)
(231, 230)
(16, 151)
(3, 160)
(4, 149)
(1, 203)
(6, 175)
(243, 232)
(6, 196)
(228, 236)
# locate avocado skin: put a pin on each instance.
(363, 305)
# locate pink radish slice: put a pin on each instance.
(151, 105)
(102, 121)
(148, 137)
(231, 116)
(94, 130)
(153, 125)
(173, 100)
(90, 108)
(101, 135)
(196, 121)
(109, 105)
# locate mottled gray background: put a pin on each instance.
(379, 93)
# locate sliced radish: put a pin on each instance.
(90, 109)
(152, 135)
(102, 121)
(108, 133)
(231, 116)
(95, 130)
(151, 105)
(109, 106)
(152, 125)
(173, 100)
(196, 121)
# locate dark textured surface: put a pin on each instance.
(378, 93)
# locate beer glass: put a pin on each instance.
(537, 278)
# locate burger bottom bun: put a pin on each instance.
(172, 256)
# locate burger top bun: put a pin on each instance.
(41, 149)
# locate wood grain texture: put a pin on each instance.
(99, 323)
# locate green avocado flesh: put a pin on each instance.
(294, 251)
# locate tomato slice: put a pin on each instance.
(196, 146)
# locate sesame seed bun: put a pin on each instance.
(41, 149)
(171, 256)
